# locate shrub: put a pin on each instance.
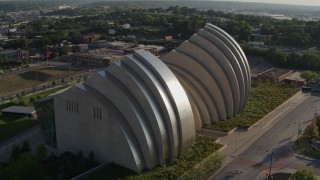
(303, 174)
(261, 101)
(32, 99)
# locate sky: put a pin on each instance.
(296, 2)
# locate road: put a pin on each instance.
(255, 160)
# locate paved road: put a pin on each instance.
(255, 161)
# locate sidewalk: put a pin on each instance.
(240, 139)
(263, 174)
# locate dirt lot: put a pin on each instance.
(34, 77)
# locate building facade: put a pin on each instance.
(143, 112)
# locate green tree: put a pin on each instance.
(32, 99)
(304, 174)
(15, 152)
(25, 147)
(41, 152)
(26, 167)
(309, 75)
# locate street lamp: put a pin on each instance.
(269, 176)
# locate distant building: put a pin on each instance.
(150, 48)
(64, 7)
(295, 79)
(112, 32)
(99, 57)
(119, 45)
(217, 19)
(19, 111)
(255, 72)
(261, 38)
(14, 54)
(80, 47)
(98, 44)
(82, 39)
(256, 44)
(125, 26)
(275, 74)
(9, 53)
(21, 54)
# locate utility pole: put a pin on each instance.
(47, 54)
(236, 146)
(299, 132)
(12, 87)
(270, 177)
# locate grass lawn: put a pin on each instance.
(202, 148)
(262, 100)
(303, 147)
(12, 125)
(29, 79)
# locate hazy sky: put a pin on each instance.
(297, 2)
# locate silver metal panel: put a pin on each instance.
(223, 62)
(243, 64)
(163, 101)
(205, 84)
(177, 95)
(214, 70)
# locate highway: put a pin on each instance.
(254, 162)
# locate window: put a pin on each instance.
(97, 113)
(72, 106)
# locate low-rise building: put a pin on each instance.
(295, 79)
(275, 74)
(119, 45)
(80, 47)
(19, 111)
(98, 57)
(150, 48)
(82, 39)
(98, 44)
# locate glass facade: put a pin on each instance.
(46, 118)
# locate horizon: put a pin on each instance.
(288, 2)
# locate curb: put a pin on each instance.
(307, 158)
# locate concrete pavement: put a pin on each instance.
(239, 140)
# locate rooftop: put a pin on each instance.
(276, 72)
(103, 53)
(295, 77)
(19, 110)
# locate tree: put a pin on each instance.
(41, 152)
(25, 147)
(32, 99)
(26, 167)
(309, 75)
(303, 174)
(15, 152)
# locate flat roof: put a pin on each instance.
(102, 53)
(295, 77)
(19, 110)
(257, 71)
(275, 72)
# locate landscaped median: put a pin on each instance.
(261, 101)
(308, 143)
(200, 159)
